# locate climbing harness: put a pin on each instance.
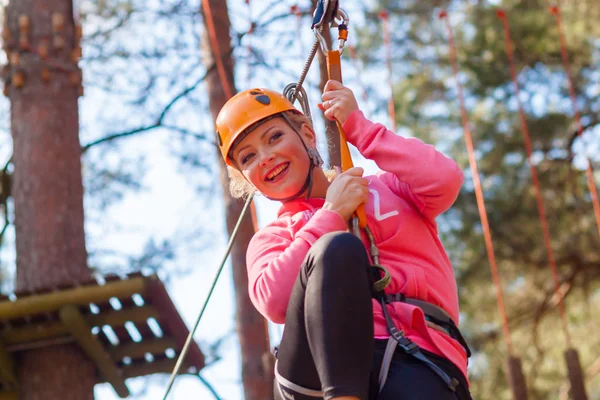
(435, 317)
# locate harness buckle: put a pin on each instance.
(408, 346)
(403, 342)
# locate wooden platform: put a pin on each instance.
(128, 326)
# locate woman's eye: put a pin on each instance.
(247, 158)
(275, 136)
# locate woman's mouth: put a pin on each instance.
(277, 173)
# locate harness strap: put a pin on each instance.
(409, 347)
(281, 381)
(436, 317)
(390, 349)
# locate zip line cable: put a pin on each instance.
(190, 337)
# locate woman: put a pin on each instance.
(307, 271)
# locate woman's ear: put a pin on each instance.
(309, 136)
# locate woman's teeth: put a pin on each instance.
(276, 172)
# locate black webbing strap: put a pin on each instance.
(413, 349)
(433, 314)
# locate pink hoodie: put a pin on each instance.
(416, 184)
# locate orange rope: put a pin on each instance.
(210, 25)
(565, 58)
(534, 176)
(385, 19)
(478, 192)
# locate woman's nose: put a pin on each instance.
(265, 159)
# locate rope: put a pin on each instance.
(190, 337)
(565, 59)
(210, 27)
(385, 19)
(478, 191)
(534, 176)
(307, 64)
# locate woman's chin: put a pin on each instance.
(282, 192)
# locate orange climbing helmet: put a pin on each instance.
(243, 111)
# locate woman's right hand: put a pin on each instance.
(347, 191)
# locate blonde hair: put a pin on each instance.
(239, 187)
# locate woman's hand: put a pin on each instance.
(338, 101)
(346, 192)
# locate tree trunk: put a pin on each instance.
(257, 371)
(48, 191)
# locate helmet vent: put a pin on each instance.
(263, 99)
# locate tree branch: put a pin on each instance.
(573, 135)
(161, 117)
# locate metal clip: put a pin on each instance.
(339, 19)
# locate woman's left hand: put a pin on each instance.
(338, 101)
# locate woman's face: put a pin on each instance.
(273, 158)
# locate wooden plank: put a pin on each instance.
(171, 320)
(155, 347)
(78, 296)
(47, 330)
(7, 369)
(81, 331)
(11, 395)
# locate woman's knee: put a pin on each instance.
(339, 248)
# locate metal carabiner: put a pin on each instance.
(340, 20)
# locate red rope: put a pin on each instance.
(478, 191)
(534, 176)
(385, 19)
(565, 59)
(210, 25)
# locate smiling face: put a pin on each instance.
(273, 158)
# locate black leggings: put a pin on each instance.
(327, 349)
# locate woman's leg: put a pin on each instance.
(327, 343)
(411, 379)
